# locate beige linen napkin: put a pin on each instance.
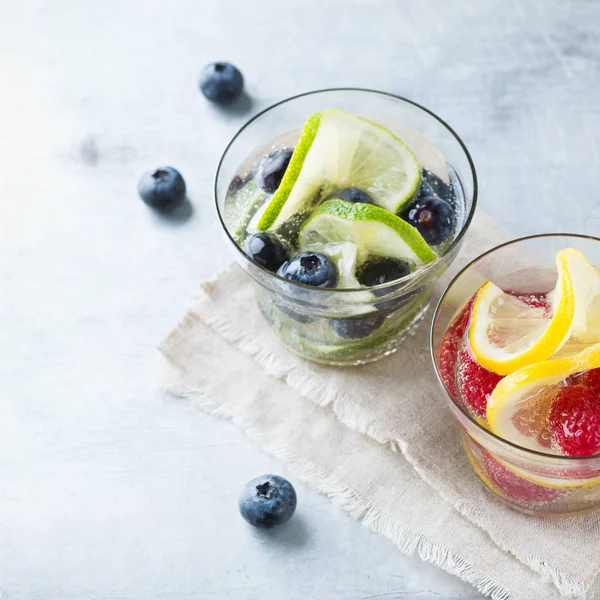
(396, 403)
(370, 481)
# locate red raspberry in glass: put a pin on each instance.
(475, 383)
(514, 487)
(590, 379)
(451, 344)
(575, 421)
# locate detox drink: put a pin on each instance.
(363, 217)
(521, 359)
(344, 223)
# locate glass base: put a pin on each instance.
(525, 494)
(317, 338)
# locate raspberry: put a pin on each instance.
(575, 421)
(475, 383)
(590, 379)
(450, 345)
(534, 300)
(514, 487)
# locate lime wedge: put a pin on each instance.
(373, 230)
(338, 150)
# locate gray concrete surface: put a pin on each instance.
(108, 489)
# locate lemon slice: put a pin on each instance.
(506, 333)
(371, 229)
(586, 287)
(526, 394)
(338, 150)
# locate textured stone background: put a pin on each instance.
(107, 488)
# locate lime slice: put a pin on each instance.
(373, 230)
(338, 150)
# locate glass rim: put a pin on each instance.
(433, 350)
(390, 284)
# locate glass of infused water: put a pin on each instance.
(344, 207)
(515, 343)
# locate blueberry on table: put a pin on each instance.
(433, 218)
(267, 501)
(271, 170)
(357, 327)
(221, 82)
(162, 188)
(310, 268)
(351, 194)
(267, 250)
(381, 269)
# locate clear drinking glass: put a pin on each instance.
(531, 481)
(314, 322)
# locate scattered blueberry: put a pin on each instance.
(438, 188)
(351, 194)
(357, 327)
(380, 269)
(432, 217)
(221, 82)
(272, 169)
(267, 501)
(310, 268)
(267, 250)
(162, 189)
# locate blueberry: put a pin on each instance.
(272, 169)
(357, 327)
(379, 269)
(162, 189)
(432, 217)
(221, 82)
(267, 501)
(267, 250)
(351, 194)
(293, 313)
(237, 183)
(438, 188)
(425, 190)
(310, 268)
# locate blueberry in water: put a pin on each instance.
(310, 268)
(380, 269)
(271, 170)
(221, 82)
(296, 315)
(267, 250)
(357, 327)
(267, 501)
(162, 188)
(425, 190)
(237, 183)
(432, 217)
(439, 188)
(351, 194)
